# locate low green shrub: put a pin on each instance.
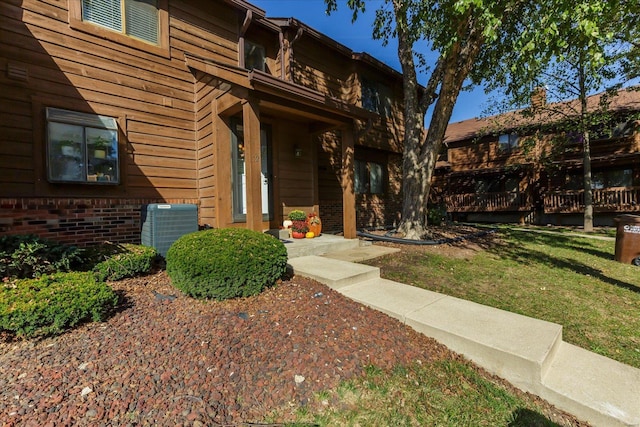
(436, 215)
(225, 263)
(53, 303)
(29, 256)
(125, 260)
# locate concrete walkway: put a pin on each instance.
(529, 353)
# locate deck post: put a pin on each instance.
(251, 124)
(348, 193)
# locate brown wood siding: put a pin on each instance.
(205, 91)
(329, 166)
(295, 175)
(485, 154)
(152, 96)
(384, 133)
(322, 69)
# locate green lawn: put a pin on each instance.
(444, 393)
(562, 278)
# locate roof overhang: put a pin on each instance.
(276, 91)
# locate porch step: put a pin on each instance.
(332, 272)
(320, 245)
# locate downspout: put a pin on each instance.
(243, 30)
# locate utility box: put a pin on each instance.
(163, 224)
(628, 239)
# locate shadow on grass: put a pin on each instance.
(524, 255)
(523, 417)
(592, 251)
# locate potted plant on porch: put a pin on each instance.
(299, 227)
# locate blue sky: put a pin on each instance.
(357, 37)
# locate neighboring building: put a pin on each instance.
(511, 168)
(109, 106)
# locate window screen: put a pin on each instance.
(136, 18)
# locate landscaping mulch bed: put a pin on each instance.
(166, 359)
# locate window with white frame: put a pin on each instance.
(508, 141)
(135, 18)
(81, 148)
(368, 177)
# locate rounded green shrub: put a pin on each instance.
(125, 260)
(52, 303)
(225, 263)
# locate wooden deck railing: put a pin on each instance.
(604, 200)
(487, 202)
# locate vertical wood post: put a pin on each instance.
(252, 162)
(348, 193)
(222, 170)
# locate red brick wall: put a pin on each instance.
(371, 212)
(377, 212)
(79, 222)
(330, 213)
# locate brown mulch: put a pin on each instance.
(166, 359)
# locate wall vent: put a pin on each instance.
(163, 224)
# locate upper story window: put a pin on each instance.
(508, 141)
(614, 130)
(376, 97)
(368, 177)
(254, 56)
(135, 18)
(81, 148)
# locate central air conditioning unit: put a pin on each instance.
(163, 224)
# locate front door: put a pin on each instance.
(238, 173)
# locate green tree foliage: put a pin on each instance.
(475, 40)
(584, 50)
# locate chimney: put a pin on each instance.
(538, 98)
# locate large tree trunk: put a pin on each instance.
(420, 153)
(413, 174)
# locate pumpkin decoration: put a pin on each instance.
(310, 235)
(314, 223)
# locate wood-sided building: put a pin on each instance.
(109, 106)
(529, 169)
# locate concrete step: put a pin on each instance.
(514, 347)
(319, 245)
(361, 253)
(332, 272)
(602, 391)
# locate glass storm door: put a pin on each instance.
(239, 178)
